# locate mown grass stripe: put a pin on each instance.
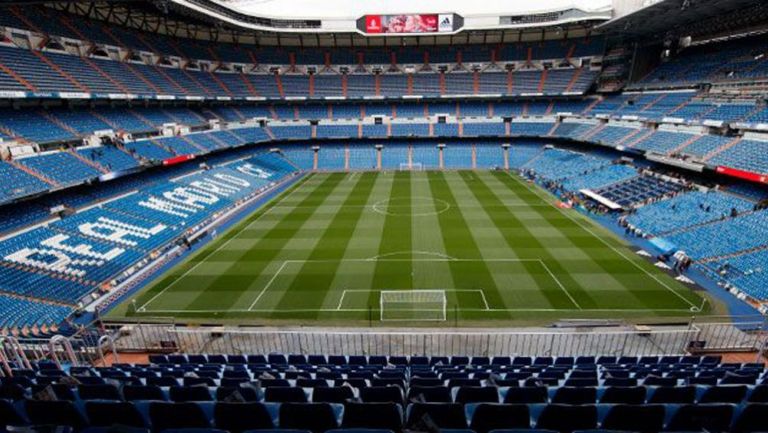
(228, 287)
(459, 243)
(637, 286)
(210, 250)
(527, 246)
(395, 242)
(312, 283)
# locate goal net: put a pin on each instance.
(413, 305)
(415, 166)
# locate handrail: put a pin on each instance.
(67, 345)
(7, 370)
(18, 352)
(111, 341)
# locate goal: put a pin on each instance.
(415, 166)
(413, 305)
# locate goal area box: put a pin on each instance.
(413, 305)
(415, 166)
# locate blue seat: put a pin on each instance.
(567, 418)
(315, 417)
(635, 417)
(488, 417)
(105, 414)
(442, 415)
(285, 394)
(239, 417)
(388, 416)
(751, 419)
(703, 417)
(166, 415)
(63, 413)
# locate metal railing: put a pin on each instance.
(91, 345)
(714, 334)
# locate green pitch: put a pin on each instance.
(497, 247)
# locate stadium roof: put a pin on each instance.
(335, 9)
(675, 18)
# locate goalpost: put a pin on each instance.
(413, 305)
(415, 166)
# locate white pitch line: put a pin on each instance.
(616, 250)
(562, 287)
(341, 300)
(353, 206)
(485, 301)
(492, 310)
(247, 226)
(263, 290)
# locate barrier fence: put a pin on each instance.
(91, 345)
(694, 336)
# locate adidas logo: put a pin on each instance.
(445, 21)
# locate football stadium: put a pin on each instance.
(292, 216)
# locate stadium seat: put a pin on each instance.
(443, 415)
(315, 417)
(387, 416)
(634, 417)
(165, 415)
(711, 417)
(240, 417)
(567, 418)
(488, 417)
(105, 414)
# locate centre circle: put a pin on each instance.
(411, 206)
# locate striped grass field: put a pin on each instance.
(500, 249)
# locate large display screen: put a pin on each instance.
(412, 23)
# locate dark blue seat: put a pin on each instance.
(575, 395)
(239, 417)
(387, 416)
(162, 381)
(62, 392)
(567, 418)
(315, 417)
(752, 419)
(488, 417)
(430, 394)
(9, 416)
(135, 393)
(477, 394)
(724, 394)
(623, 395)
(190, 393)
(277, 359)
(668, 395)
(702, 417)
(382, 394)
(98, 392)
(527, 394)
(57, 412)
(166, 415)
(285, 394)
(269, 383)
(311, 383)
(337, 394)
(246, 393)
(643, 418)
(620, 381)
(105, 414)
(443, 415)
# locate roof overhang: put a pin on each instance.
(671, 18)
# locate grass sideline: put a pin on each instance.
(499, 247)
